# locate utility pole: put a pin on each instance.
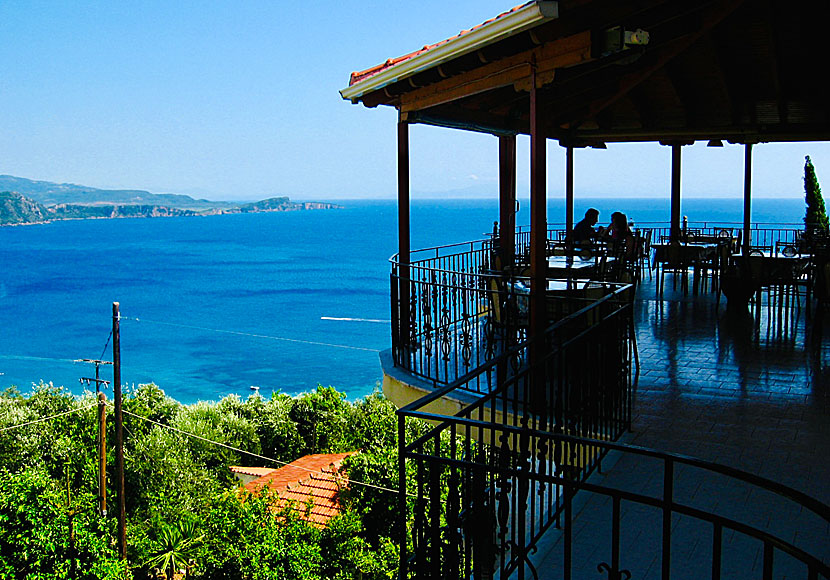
(119, 430)
(70, 513)
(102, 431)
(102, 454)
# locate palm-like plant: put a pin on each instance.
(176, 546)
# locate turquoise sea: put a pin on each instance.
(214, 305)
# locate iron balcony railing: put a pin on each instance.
(493, 483)
(451, 292)
(486, 486)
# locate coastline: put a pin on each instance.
(165, 212)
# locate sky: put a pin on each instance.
(239, 100)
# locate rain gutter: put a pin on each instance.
(498, 29)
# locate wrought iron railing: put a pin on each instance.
(514, 467)
(451, 291)
(446, 335)
(487, 486)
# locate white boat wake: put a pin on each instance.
(356, 319)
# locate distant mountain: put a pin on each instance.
(16, 209)
(49, 193)
(25, 201)
(283, 204)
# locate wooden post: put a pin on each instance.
(538, 248)
(403, 234)
(119, 431)
(747, 235)
(507, 199)
(102, 454)
(569, 191)
(675, 192)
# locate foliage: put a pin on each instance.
(815, 219)
(244, 539)
(176, 546)
(183, 505)
(34, 531)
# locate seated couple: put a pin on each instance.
(617, 233)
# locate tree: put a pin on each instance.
(175, 547)
(816, 223)
(34, 531)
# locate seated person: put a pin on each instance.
(583, 232)
(622, 236)
(609, 233)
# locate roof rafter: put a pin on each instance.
(632, 80)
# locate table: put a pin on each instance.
(689, 253)
(698, 255)
(750, 274)
(573, 266)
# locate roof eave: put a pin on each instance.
(510, 24)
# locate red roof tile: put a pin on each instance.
(258, 471)
(358, 76)
(311, 480)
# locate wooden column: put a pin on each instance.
(569, 191)
(538, 248)
(747, 235)
(507, 198)
(675, 192)
(403, 233)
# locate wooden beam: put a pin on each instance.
(514, 70)
(631, 81)
(675, 192)
(538, 252)
(747, 235)
(507, 199)
(403, 234)
(569, 191)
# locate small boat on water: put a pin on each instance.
(254, 388)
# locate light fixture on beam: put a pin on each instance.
(617, 39)
(715, 143)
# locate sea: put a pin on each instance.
(232, 304)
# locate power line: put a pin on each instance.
(239, 333)
(35, 358)
(42, 419)
(106, 345)
(258, 456)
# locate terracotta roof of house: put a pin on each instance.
(313, 478)
(358, 76)
(258, 471)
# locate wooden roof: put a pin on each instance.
(745, 71)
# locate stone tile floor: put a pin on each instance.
(748, 390)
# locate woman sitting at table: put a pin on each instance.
(621, 235)
(608, 233)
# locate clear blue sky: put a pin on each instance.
(239, 100)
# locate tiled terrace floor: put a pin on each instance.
(728, 388)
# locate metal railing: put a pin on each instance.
(451, 292)
(447, 333)
(493, 480)
(479, 504)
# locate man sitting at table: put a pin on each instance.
(584, 232)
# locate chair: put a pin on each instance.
(760, 250)
(674, 261)
(722, 257)
(643, 252)
(508, 309)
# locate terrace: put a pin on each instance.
(740, 395)
(544, 374)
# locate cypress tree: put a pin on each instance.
(815, 220)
